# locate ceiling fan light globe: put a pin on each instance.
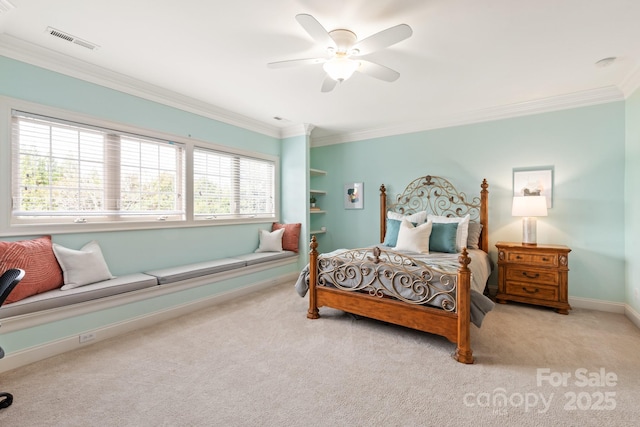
(340, 69)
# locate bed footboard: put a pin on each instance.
(451, 320)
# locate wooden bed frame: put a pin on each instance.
(439, 197)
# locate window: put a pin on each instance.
(227, 185)
(68, 172)
(65, 172)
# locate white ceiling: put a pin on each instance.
(467, 60)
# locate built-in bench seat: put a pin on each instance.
(185, 272)
(132, 282)
(259, 257)
(58, 298)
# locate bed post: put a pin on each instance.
(312, 313)
(463, 351)
(383, 212)
(484, 215)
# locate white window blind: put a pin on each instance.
(228, 185)
(65, 171)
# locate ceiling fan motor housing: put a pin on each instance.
(344, 39)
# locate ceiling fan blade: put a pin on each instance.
(328, 84)
(378, 71)
(384, 38)
(315, 30)
(296, 62)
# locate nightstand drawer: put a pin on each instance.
(545, 277)
(528, 290)
(543, 259)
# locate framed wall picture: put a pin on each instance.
(534, 181)
(354, 195)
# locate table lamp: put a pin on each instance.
(529, 207)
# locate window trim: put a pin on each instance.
(7, 228)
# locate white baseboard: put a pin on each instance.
(632, 315)
(53, 348)
(611, 307)
(596, 304)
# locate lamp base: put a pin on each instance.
(529, 234)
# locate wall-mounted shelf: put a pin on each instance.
(316, 222)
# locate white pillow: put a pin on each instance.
(414, 239)
(418, 217)
(81, 267)
(270, 241)
(463, 228)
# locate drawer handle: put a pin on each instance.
(530, 292)
(544, 258)
(530, 276)
(518, 257)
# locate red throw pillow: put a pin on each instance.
(36, 258)
(291, 235)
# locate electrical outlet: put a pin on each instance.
(89, 336)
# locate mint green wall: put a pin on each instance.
(632, 181)
(586, 147)
(23, 81)
(294, 187)
(135, 251)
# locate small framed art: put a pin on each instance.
(354, 195)
(534, 181)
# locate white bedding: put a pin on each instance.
(480, 265)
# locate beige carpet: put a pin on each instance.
(260, 362)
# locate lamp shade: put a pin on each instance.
(529, 206)
(340, 68)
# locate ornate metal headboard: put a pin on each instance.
(438, 196)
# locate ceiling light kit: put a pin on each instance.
(345, 52)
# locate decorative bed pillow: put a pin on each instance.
(270, 241)
(473, 239)
(291, 236)
(414, 238)
(391, 234)
(463, 228)
(35, 257)
(82, 267)
(443, 237)
(418, 217)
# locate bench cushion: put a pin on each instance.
(189, 271)
(58, 298)
(258, 257)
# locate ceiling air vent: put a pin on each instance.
(73, 39)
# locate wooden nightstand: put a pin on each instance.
(534, 274)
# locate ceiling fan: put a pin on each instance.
(344, 52)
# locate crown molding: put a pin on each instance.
(543, 105)
(631, 83)
(297, 130)
(33, 54)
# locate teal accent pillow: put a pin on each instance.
(443, 237)
(391, 235)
